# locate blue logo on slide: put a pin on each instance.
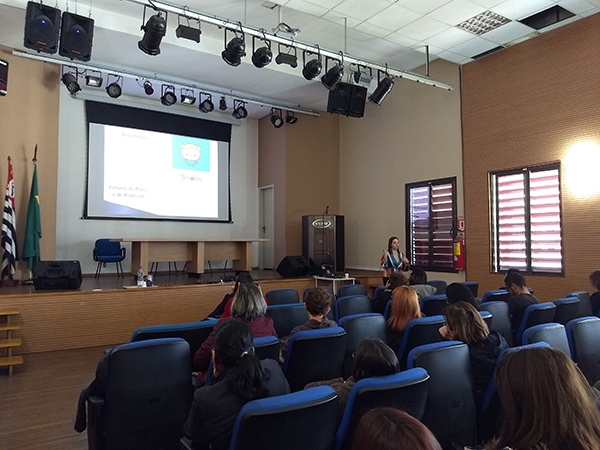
(191, 154)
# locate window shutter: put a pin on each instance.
(511, 226)
(442, 214)
(419, 219)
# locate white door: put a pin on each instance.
(267, 227)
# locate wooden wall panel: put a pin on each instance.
(525, 105)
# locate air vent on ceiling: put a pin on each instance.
(547, 17)
(482, 23)
(493, 50)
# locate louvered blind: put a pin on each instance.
(419, 226)
(442, 215)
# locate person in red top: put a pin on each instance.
(249, 306)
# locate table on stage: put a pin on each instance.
(194, 251)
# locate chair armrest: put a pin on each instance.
(95, 405)
(95, 253)
(187, 444)
(123, 252)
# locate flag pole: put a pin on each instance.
(9, 236)
(34, 160)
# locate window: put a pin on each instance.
(431, 217)
(526, 220)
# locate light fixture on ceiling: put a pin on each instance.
(334, 75)
(287, 58)
(187, 96)
(168, 97)
(361, 77)
(94, 80)
(69, 79)
(239, 110)
(206, 105)
(235, 50)
(148, 89)
(154, 30)
(262, 56)
(311, 69)
(291, 118)
(186, 31)
(114, 89)
(223, 104)
(276, 117)
(384, 87)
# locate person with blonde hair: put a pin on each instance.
(405, 307)
(547, 403)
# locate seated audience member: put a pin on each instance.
(547, 403)
(396, 279)
(242, 278)
(418, 281)
(392, 429)
(519, 299)
(595, 297)
(372, 359)
(464, 323)
(248, 306)
(238, 377)
(457, 292)
(317, 303)
(405, 307)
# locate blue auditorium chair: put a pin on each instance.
(554, 334)
(472, 285)
(377, 290)
(585, 305)
(287, 317)
(267, 347)
(351, 289)
(358, 327)
(500, 319)
(440, 285)
(418, 332)
(352, 304)
(282, 296)
(487, 317)
(584, 340)
(434, 305)
(496, 295)
(535, 314)
(567, 309)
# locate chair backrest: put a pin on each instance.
(282, 296)
(472, 285)
(358, 327)
(450, 411)
(552, 333)
(497, 295)
(351, 289)
(535, 314)
(567, 309)
(327, 288)
(296, 421)
(584, 338)
(314, 355)
(434, 305)
(287, 317)
(377, 290)
(487, 317)
(387, 310)
(500, 319)
(107, 248)
(352, 304)
(440, 285)
(267, 347)
(585, 304)
(194, 333)
(418, 332)
(142, 411)
(405, 390)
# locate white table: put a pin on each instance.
(333, 281)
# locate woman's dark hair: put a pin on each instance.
(595, 279)
(465, 323)
(397, 279)
(233, 342)
(317, 301)
(242, 278)
(390, 240)
(373, 358)
(392, 429)
(417, 276)
(457, 292)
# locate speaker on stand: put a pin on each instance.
(293, 267)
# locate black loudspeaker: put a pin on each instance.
(293, 267)
(347, 99)
(57, 275)
(76, 34)
(41, 27)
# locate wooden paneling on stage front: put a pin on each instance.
(78, 319)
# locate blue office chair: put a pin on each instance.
(584, 335)
(358, 327)
(282, 296)
(554, 334)
(106, 251)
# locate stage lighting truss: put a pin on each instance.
(114, 89)
(69, 79)
(291, 118)
(167, 95)
(334, 75)
(154, 30)
(277, 117)
(261, 56)
(384, 87)
(235, 49)
(206, 105)
(93, 80)
(287, 58)
(187, 96)
(311, 69)
(239, 110)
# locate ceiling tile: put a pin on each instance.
(488, 3)
(360, 9)
(456, 11)
(374, 30)
(393, 18)
(577, 6)
(508, 32)
(400, 39)
(326, 3)
(422, 6)
(473, 47)
(518, 9)
(306, 7)
(421, 48)
(340, 19)
(450, 37)
(450, 56)
(423, 28)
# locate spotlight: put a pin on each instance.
(234, 51)
(223, 104)
(187, 32)
(206, 105)
(148, 89)
(333, 76)
(287, 58)
(291, 118)
(262, 56)
(93, 81)
(312, 69)
(154, 31)
(187, 97)
(70, 81)
(276, 118)
(383, 88)
(114, 89)
(168, 97)
(239, 110)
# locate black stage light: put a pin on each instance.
(154, 31)
(291, 118)
(262, 56)
(94, 81)
(287, 58)
(223, 104)
(312, 69)
(239, 110)
(234, 51)
(383, 88)
(187, 32)
(168, 97)
(148, 89)
(206, 105)
(114, 89)
(333, 76)
(276, 118)
(187, 97)
(70, 81)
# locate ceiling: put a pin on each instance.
(381, 31)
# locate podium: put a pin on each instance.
(323, 241)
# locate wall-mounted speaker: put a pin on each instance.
(41, 27)
(347, 99)
(76, 35)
